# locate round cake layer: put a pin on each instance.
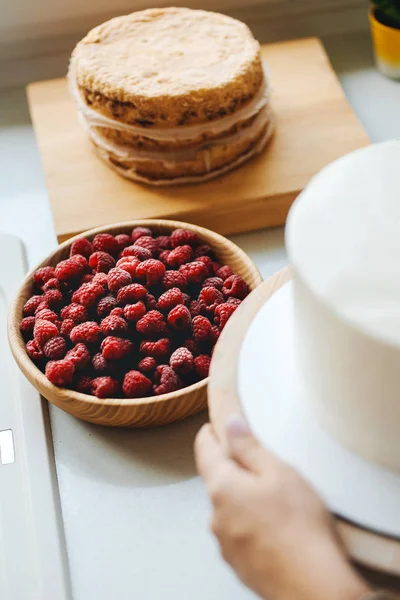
(168, 67)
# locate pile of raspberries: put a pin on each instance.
(129, 316)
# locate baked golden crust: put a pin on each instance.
(168, 67)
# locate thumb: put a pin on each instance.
(245, 449)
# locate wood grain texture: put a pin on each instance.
(315, 125)
(368, 548)
(138, 412)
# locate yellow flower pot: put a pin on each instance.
(386, 42)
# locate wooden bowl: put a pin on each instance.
(138, 412)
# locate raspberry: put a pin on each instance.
(69, 269)
(201, 329)
(124, 240)
(234, 301)
(224, 272)
(88, 333)
(113, 326)
(166, 380)
(131, 293)
(151, 302)
(147, 365)
(26, 327)
(164, 242)
(202, 365)
(117, 278)
(235, 286)
(42, 275)
(163, 256)
(53, 298)
(101, 262)
(88, 278)
(44, 331)
(31, 305)
(209, 299)
(181, 361)
(79, 355)
(101, 279)
(81, 246)
(223, 313)
(105, 306)
(47, 315)
(214, 335)
(216, 268)
(180, 256)
(117, 312)
(179, 318)
(51, 284)
(169, 299)
(115, 348)
(76, 312)
(206, 260)
(81, 261)
(99, 363)
(90, 293)
(66, 327)
(183, 237)
(137, 252)
(186, 299)
(215, 282)
(55, 348)
(60, 372)
(196, 272)
(192, 346)
(105, 242)
(204, 250)
(152, 324)
(195, 308)
(105, 387)
(134, 312)
(136, 385)
(84, 384)
(34, 351)
(160, 349)
(129, 264)
(151, 271)
(139, 232)
(41, 306)
(147, 242)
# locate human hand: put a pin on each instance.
(272, 527)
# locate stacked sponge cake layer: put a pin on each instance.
(172, 95)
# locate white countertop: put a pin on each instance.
(134, 510)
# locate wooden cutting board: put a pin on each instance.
(315, 125)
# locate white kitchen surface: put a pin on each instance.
(134, 510)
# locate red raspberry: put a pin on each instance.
(179, 318)
(129, 264)
(53, 298)
(51, 284)
(152, 324)
(113, 326)
(164, 242)
(99, 363)
(215, 282)
(202, 365)
(214, 335)
(101, 279)
(101, 262)
(192, 346)
(76, 312)
(66, 327)
(223, 313)
(81, 246)
(124, 240)
(183, 237)
(131, 293)
(147, 242)
(69, 269)
(136, 385)
(105, 242)
(105, 387)
(169, 299)
(42, 306)
(147, 365)
(209, 299)
(166, 380)
(139, 232)
(137, 252)
(88, 333)
(117, 278)
(88, 278)
(84, 384)
(206, 260)
(151, 302)
(117, 312)
(203, 250)
(234, 301)
(181, 361)
(79, 355)
(55, 348)
(186, 299)
(60, 372)
(195, 308)
(34, 351)
(31, 305)
(180, 256)
(163, 256)
(201, 327)
(26, 327)
(235, 286)
(151, 271)
(115, 348)
(196, 272)
(90, 294)
(134, 312)
(224, 272)
(47, 315)
(44, 331)
(42, 275)
(160, 349)
(105, 306)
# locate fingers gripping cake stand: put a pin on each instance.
(312, 357)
